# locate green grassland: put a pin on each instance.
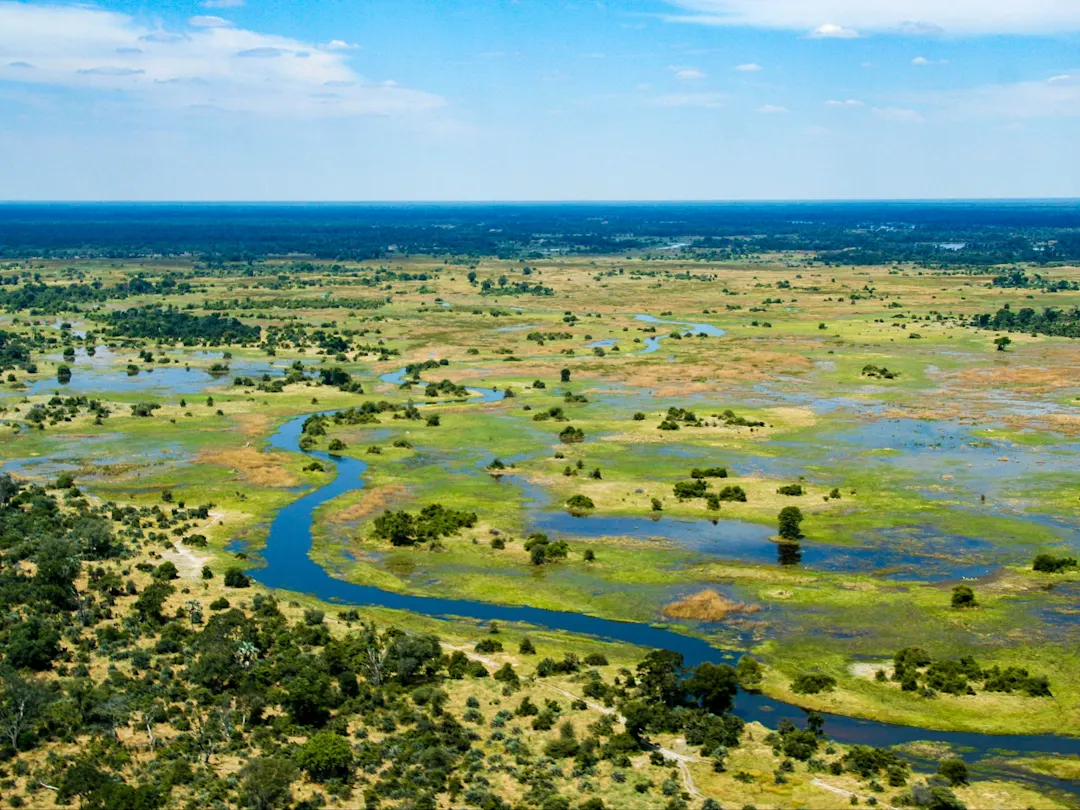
(996, 489)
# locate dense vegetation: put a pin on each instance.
(974, 234)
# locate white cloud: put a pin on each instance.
(899, 115)
(771, 109)
(847, 102)
(833, 31)
(750, 67)
(687, 74)
(201, 67)
(206, 21)
(704, 100)
(1055, 97)
(340, 45)
(910, 17)
(221, 3)
(922, 61)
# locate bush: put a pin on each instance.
(963, 597)
(954, 770)
(235, 578)
(325, 756)
(732, 493)
(811, 683)
(580, 503)
(791, 489)
(1049, 564)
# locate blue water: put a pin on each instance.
(288, 566)
(694, 328)
(174, 380)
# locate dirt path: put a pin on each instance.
(821, 783)
(187, 562)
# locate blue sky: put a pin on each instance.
(539, 99)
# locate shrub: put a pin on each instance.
(963, 597)
(235, 578)
(954, 770)
(1049, 564)
(580, 502)
(811, 683)
(325, 756)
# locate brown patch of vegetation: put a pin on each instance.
(255, 467)
(252, 425)
(708, 606)
(373, 500)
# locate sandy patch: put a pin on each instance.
(255, 467)
(707, 606)
(869, 671)
(187, 562)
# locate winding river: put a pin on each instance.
(289, 567)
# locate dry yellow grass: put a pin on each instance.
(373, 500)
(708, 606)
(254, 466)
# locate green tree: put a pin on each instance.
(789, 520)
(266, 783)
(1002, 343)
(152, 600)
(325, 756)
(749, 672)
(660, 676)
(713, 686)
(954, 770)
(236, 578)
(32, 644)
(22, 702)
(963, 597)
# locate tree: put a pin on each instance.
(166, 571)
(32, 644)
(1002, 342)
(564, 375)
(409, 656)
(307, 698)
(22, 702)
(579, 503)
(713, 686)
(152, 600)
(789, 519)
(397, 527)
(955, 770)
(235, 578)
(266, 782)
(325, 756)
(58, 567)
(660, 676)
(749, 672)
(93, 537)
(963, 597)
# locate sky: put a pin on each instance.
(391, 100)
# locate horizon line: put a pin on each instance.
(642, 201)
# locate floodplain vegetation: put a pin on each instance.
(862, 478)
